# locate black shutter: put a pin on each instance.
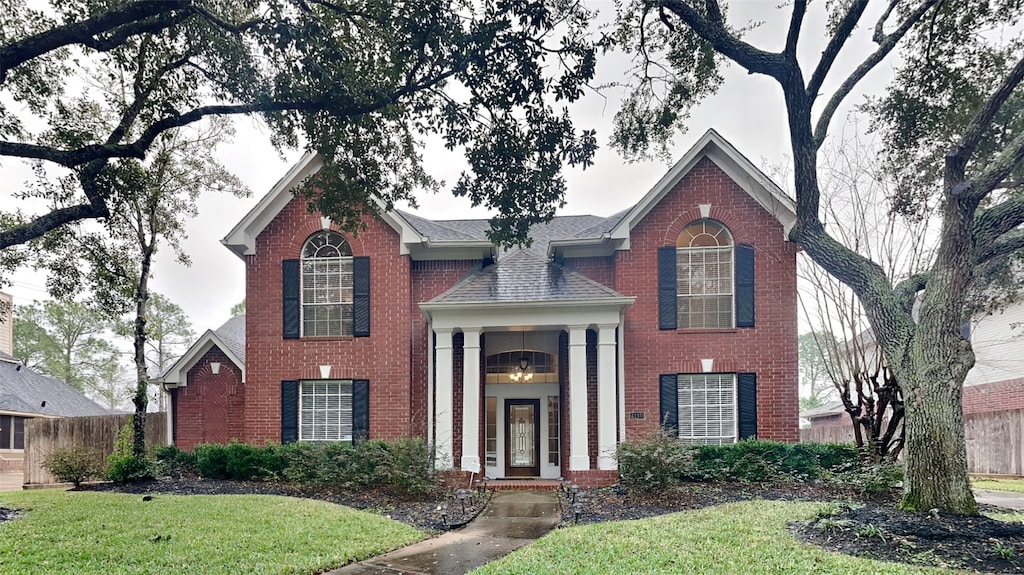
(289, 412)
(746, 404)
(744, 285)
(667, 318)
(361, 296)
(669, 403)
(360, 410)
(290, 298)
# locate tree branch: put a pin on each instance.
(795, 22)
(39, 226)
(1007, 244)
(906, 291)
(132, 17)
(957, 158)
(835, 45)
(887, 44)
(713, 31)
(991, 224)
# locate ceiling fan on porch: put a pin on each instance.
(522, 371)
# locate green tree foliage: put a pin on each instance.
(680, 44)
(815, 384)
(361, 82)
(115, 262)
(238, 308)
(67, 340)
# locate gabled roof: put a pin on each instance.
(25, 391)
(613, 233)
(520, 277)
(242, 238)
(825, 410)
(229, 338)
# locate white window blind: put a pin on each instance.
(707, 408)
(325, 410)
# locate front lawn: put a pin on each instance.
(737, 538)
(106, 533)
(1014, 485)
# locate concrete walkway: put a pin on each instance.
(11, 480)
(1007, 499)
(511, 520)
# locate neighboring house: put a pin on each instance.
(6, 323)
(680, 311)
(25, 394)
(996, 382)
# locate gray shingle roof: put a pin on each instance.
(24, 390)
(232, 333)
(521, 276)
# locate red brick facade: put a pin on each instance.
(395, 358)
(769, 349)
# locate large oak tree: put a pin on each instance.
(974, 161)
(363, 82)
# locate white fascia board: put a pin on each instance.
(177, 374)
(28, 414)
(452, 250)
(242, 238)
(583, 247)
(525, 313)
(734, 164)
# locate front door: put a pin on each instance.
(522, 438)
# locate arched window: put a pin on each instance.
(326, 285)
(704, 276)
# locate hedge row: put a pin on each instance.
(661, 460)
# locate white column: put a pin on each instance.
(471, 401)
(606, 397)
(443, 408)
(578, 458)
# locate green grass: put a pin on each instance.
(739, 538)
(80, 533)
(1015, 485)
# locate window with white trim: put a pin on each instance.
(704, 276)
(325, 410)
(326, 285)
(707, 408)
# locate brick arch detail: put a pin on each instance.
(226, 368)
(693, 214)
(312, 225)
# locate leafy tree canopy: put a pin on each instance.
(960, 87)
(362, 82)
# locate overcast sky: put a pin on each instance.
(748, 111)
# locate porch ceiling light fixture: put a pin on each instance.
(522, 371)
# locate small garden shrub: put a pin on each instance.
(404, 467)
(655, 461)
(122, 465)
(74, 464)
(174, 462)
(661, 460)
(212, 460)
(875, 479)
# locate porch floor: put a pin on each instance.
(529, 483)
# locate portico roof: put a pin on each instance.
(521, 276)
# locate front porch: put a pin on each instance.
(527, 390)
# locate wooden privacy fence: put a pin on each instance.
(995, 440)
(42, 436)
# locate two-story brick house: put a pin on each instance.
(680, 311)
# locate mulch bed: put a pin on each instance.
(869, 528)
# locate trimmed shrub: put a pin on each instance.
(212, 460)
(122, 465)
(74, 464)
(661, 460)
(174, 462)
(656, 461)
(403, 467)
